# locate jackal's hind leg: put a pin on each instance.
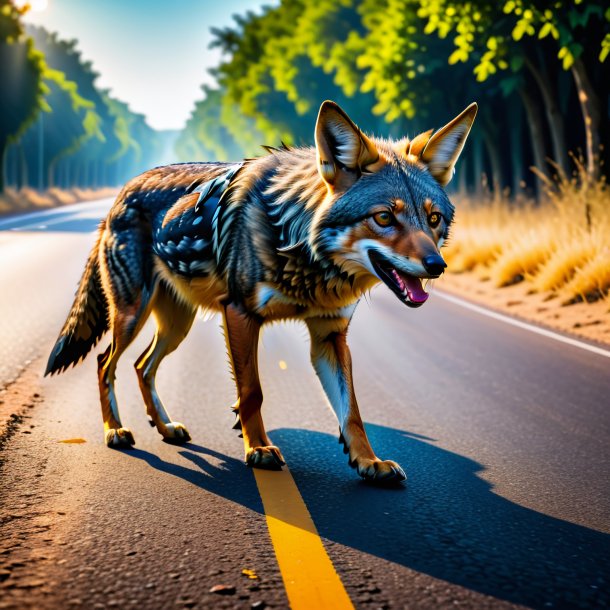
(125, 274)
(174, 320)
(125, 326)
(332, 362)
(241, 333)
(115, 435)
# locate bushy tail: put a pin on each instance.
(87, 321)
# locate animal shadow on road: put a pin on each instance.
(449, 523)
(231, 479)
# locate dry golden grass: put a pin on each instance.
(28, 199)
(561, 246)
(61, 197)
(34, 198)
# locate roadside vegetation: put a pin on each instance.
(58, 129)
(539, 71)
(28, 199)
(558, 246)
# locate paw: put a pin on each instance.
(119, 438)
(380, 472)
(175, 433)
(268, 458)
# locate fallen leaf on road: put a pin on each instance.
(73, 441)
(251, 574)
(223, 589)
(283, 365)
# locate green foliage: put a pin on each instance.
(72, 119)
(210, 135)
(263, 88)
(605, 45)
(63, 56)
(85, 134)
(22, 89)
(123, 125)
(394, 64)
(299, 52)
(489, 31)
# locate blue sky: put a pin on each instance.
(152, 54)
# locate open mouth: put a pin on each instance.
(406, 287)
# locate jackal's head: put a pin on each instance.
(386, 213)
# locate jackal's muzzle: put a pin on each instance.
(406, 287)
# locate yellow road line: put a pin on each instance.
(309, 575)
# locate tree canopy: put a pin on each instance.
(403, 66)
(539, 70)
(22, 91)
(57, 127)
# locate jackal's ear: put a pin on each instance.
(418, 143)
(443, 149)
(343, 150)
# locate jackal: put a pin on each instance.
(300, 233)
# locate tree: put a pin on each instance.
(400, 66)
(21, 94)
(89, 138)
(208, 134)
(71, 120)
(499, 32)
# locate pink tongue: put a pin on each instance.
(414, 289)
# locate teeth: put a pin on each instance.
(399, 280)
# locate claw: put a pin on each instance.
(380, 472)
(268, 458)
(237, 423)
(175, 433)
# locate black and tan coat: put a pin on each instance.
(300, 233)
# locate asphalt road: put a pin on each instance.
(504, 434)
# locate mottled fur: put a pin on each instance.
(299, 233)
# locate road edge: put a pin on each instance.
(599, 347)
(17, 398)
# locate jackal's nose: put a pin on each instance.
(434, 264)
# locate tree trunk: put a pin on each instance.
(536, 127)
(491, 137)
(15, 166)
(67, 184)
(3, 154)
(24, 174)
(553, 114)
(102, 180)
(516, 151)
(491, 144)
(51, 173)
(477, 162)
(9, 179)
(590, 106)
(462, 188)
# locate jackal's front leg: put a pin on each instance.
(332, 361)
(241, 333)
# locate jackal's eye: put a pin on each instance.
(383, 219)
(434, 219)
